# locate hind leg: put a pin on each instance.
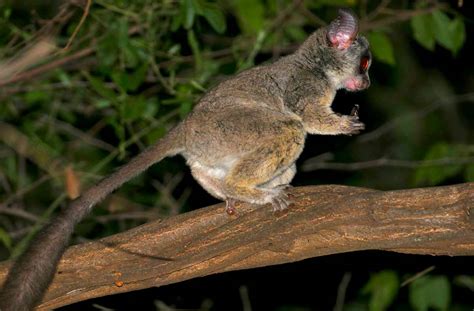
(283, 179)
(261, 176)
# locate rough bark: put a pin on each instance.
(324, 220)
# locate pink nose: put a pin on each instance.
(357, 84)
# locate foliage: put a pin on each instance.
(437, 27)
(382, 47)
(383, 288)
(434, 175)
(430, 292)
(135, 68)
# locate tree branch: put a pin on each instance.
(325, 220)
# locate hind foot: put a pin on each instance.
(281, 201)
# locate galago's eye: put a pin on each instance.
(364, 64)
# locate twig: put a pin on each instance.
(23, 146)
(34, 54)
(287, 12)
(18, 212)
(314, 19)
(417, 275)
(85, 137)
(244, 297)
(376, 12)
(30, 74)
(78, 27)
(311, 165)
(24, 190)
(341, 291)
(166, 190)
(400, 16)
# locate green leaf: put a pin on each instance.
(188, 12)
(102, 103)
(120, 79)
(250, 15)
(423, 32)
(36, 96)
(433, 175)
(100, 87)
(130, 82)
(64, 78)
(195, 48)
(120, 31)
(134, 108)
(5, 239)
(6, 13)
(177, 20)
(430, 292)
(441, 29)
(381, 47)
(152, 107)
(215, 18)
(458, 34)
(383, 289)
(174, 49)
(198, 6)
(450, 34)
(107, 50)
(137, 77)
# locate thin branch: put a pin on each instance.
(18, 212)
(33, 55)
(78, 27)
(377, 11)
(417, 276)
(166, 191)
(23, 146)
(314, 19)
(283, 15)
(73, 131)
(24, 190)
(244, 297)
(30, 74)
(312, 165)
(341, 291)
(399, 16)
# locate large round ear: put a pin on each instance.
(343, 30)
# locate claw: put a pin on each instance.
(354, 126)
(355, 111)
(281, 202)
(230, 207)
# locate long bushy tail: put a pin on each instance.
(34, 270)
